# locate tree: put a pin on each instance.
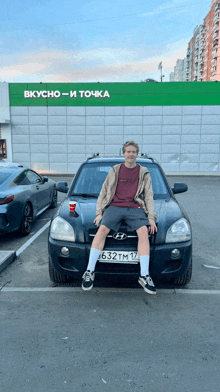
(149, 80)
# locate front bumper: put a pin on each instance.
(163, 264)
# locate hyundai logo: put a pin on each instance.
(119, 236)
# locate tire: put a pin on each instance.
(184, 279)
(54, 199)
(55, 276)
(27, 220)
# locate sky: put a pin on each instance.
(95, 41)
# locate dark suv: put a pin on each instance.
(71, 233)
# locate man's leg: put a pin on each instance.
(144, 253)
(96, 248)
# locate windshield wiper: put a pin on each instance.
(85, 195)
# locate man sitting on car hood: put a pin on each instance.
(126, 194)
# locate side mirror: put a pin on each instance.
(45, 179)
(179, 187)
(62, 186)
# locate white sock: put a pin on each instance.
(93, 257)
(144, 264)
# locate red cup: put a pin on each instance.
(72, 205)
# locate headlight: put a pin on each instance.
(61, 230)
(179, 232)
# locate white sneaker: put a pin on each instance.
(88, 278)
(147, 283)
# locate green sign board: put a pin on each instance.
(115, 94)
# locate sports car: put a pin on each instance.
(24, 195)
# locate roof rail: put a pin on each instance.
(95, 155)
(144, 155)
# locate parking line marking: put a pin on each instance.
(107, 290)
(32, 239)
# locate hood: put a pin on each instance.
(168, 212)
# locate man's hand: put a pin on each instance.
(97, 219)
(152, 228)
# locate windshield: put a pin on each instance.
(93, 175)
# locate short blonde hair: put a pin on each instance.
(130, 143)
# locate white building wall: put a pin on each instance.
(184, 139)
(4, 103)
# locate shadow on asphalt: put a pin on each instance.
(117, 282)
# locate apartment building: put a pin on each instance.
(215, 58)
(202, 62)
(172, 77)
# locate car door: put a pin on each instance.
(40, 188)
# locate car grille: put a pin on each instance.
(123, 237)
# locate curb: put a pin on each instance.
(6, 258)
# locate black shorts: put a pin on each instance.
(134, 218)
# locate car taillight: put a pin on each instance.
(7, 200)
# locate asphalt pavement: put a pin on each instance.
(57, 338)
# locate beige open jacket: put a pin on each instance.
(144, 194)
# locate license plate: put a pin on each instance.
(119, 257)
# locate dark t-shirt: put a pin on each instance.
(126, 187)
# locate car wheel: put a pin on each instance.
(27, 220)
(54, 199)
(55, 276)
(185, 279)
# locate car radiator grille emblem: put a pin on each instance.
(120, 236)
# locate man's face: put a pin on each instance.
(130, 154)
